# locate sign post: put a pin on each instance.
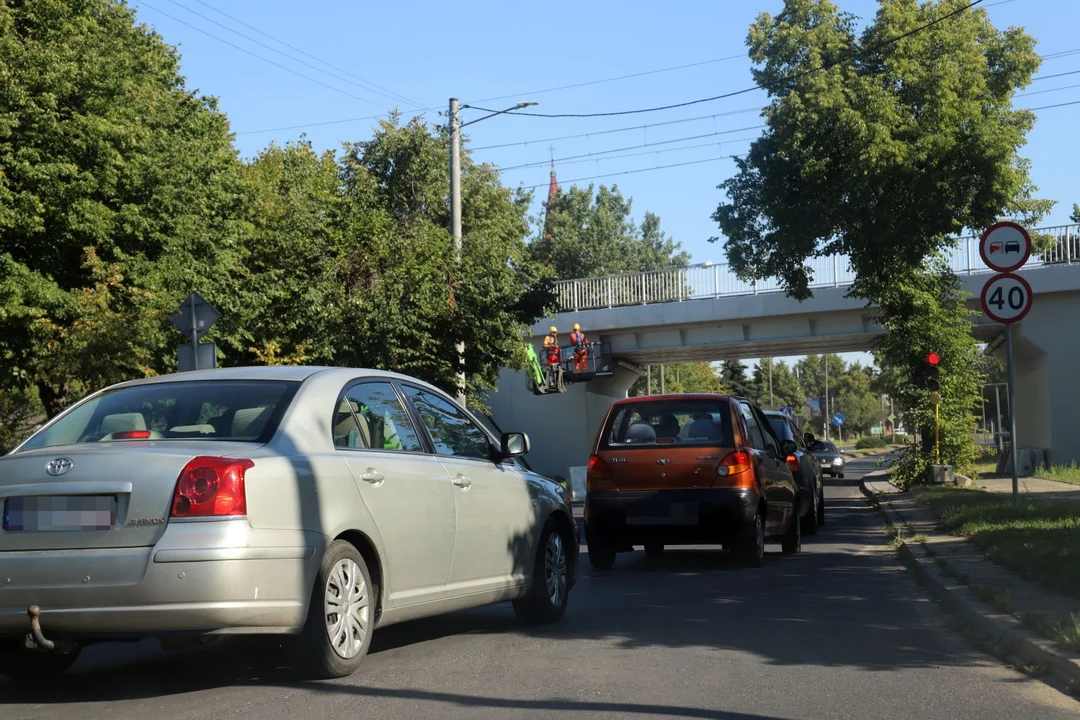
(838, 420)
(1006, 298)
(195, 318)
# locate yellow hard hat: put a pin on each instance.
(576, 326)
(553, 329)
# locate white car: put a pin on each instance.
(308, 501)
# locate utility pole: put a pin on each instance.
(825, 419)
(772, 403)
(455, 230)
(662, 389)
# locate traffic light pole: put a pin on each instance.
(1012, 417)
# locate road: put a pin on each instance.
(840, 631)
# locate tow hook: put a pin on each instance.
(35, 638)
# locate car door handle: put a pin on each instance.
(372, 475)
(461, 481)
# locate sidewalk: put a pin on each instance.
(1044, 489)
(1015, 616)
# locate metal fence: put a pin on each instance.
(709, 280)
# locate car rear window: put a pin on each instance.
(780, 428)
(669, 422)
(233, 410)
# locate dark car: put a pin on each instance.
(688, 470)
(831, 459)
(804, 466)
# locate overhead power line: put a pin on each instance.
(365, 86)
(634, 172)
(796, 76)
(145, 4)
(599, 153)
(1055, 75)
(1051, 90)
(589, 158)
(611, 79)
(617, 130)
(1057, 105)
(373, 86)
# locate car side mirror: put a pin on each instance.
(788, 447)
(514, 444)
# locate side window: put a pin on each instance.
(753, 429)
(346, 428)
(771, 443)
(381, 420)
(451, 430)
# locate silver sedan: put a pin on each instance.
(317, 503)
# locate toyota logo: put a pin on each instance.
(59, 466)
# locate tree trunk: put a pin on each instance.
(52, 399)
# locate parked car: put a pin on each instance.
(804, 466)
(318, 502)
(688, 469)
(831, 459)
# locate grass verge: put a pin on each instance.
(1062, 473)
(1040, 540)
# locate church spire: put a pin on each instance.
(553, 190)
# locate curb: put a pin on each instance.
(1003, 632)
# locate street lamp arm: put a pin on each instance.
(499, 112)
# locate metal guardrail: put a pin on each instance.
(709, 280)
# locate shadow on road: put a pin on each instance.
(834, 605)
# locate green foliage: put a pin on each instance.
(734, 378)
(869, 442)
(786, 389)
(923, 313)
(887, 157)
(121, 192)
(696, 377)
(587, 236)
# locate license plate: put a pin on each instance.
(59, 513)
(675, 513)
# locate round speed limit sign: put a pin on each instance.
(1006, 298)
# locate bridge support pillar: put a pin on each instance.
(561, 427)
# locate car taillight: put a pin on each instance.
(131, 435)
(793, 463)
(598, 475)
(736, 470)
(211, 487)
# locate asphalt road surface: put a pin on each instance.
(839, 631)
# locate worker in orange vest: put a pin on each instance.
(551, 345)
(581, 348)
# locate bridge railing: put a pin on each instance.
(715, 280)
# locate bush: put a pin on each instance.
(871, 441)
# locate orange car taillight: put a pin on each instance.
(793, 464)
(598, 474)
(736, 470)
(211, 487)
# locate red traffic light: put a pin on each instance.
(933, 358)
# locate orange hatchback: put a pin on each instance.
(688, 470)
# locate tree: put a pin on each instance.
(596, 235)
(786, 390)
(923, 314)
(734, 379)
(882, 147)
(695, 377)
(120, 190)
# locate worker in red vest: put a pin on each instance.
(581, 348)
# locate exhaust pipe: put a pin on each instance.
(35, 629)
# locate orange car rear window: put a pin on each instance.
(669, 422)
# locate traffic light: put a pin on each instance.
(931, 371)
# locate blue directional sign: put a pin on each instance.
(788, 411)
(838, 419)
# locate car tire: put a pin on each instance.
(841, 476)
(821, 509)
(654, 548)
(811, 527)
(601, 553)
(751, 546)
(343, 578)
(28, 666)
(791, 543)
(547, 598)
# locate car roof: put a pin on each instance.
(673, 396)
(294, 373)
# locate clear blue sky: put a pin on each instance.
(476, 50)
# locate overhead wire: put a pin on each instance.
(271, 48)
(599, 153)
(143, 3)
(396, 95)
(589, 158)
(633, 172)
(801, 74)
